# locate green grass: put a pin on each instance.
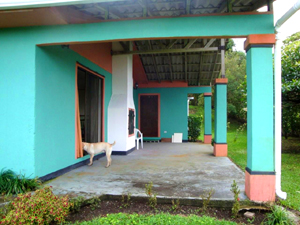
(162, 219)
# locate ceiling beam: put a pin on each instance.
(171, 44)
(163, 51)
(214, 67)
(191, 42)
(208, 44)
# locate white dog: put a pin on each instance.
(96, 148)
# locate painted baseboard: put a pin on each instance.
(69, 168)
(123, 152)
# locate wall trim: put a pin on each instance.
(67, 169)
(123, 152)
(258, 46)
(259, 172)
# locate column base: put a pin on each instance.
(220, 150)
(207, 138)
(260, 187)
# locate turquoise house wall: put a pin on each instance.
(173, 108)
(17, 98)
(207, 116)
(55, 107)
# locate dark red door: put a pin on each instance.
(149, 115)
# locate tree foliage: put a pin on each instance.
(291, 86)
(235, 63)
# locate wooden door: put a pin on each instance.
(149, 115)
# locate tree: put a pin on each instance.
(235, 63)
(291, 85)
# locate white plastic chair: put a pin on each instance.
(138, 137)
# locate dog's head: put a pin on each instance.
(85, 146)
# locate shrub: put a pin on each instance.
(278, 216)
(194, 124)
(236, 206)
(206, 196)
(11, 183)
(43, 207)
(151, 195)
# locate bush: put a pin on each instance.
(43, 207)
(194, 124)
(278, 216)
(11, 183)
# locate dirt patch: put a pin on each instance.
(115, 206)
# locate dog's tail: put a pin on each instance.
(113, 143)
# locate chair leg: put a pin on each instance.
(137, 144)
(142, 143)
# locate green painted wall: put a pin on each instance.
(260, 136)
(207, 115)
(220, 114)
(55, 107)
(17, 98)
(173, 108)
(203, 26)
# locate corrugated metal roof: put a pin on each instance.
(196, 68)
(172, 8)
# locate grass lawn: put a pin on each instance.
(163, 218)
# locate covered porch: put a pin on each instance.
(184, 170)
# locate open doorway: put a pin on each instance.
(90, 95)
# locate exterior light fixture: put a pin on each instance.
(136, 86)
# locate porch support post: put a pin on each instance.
(220, 142)
(260, 171)
(207, 118)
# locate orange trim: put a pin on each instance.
(260, 187)
(78, 144)
(220, 150)
(221, 81)
(98, 53)
(164, 84)
(207, 94)
(260, 39)
(139, 119)
(78, 138)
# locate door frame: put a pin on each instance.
(158, 108)
(78, 65)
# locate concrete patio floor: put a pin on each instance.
(184, 170)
